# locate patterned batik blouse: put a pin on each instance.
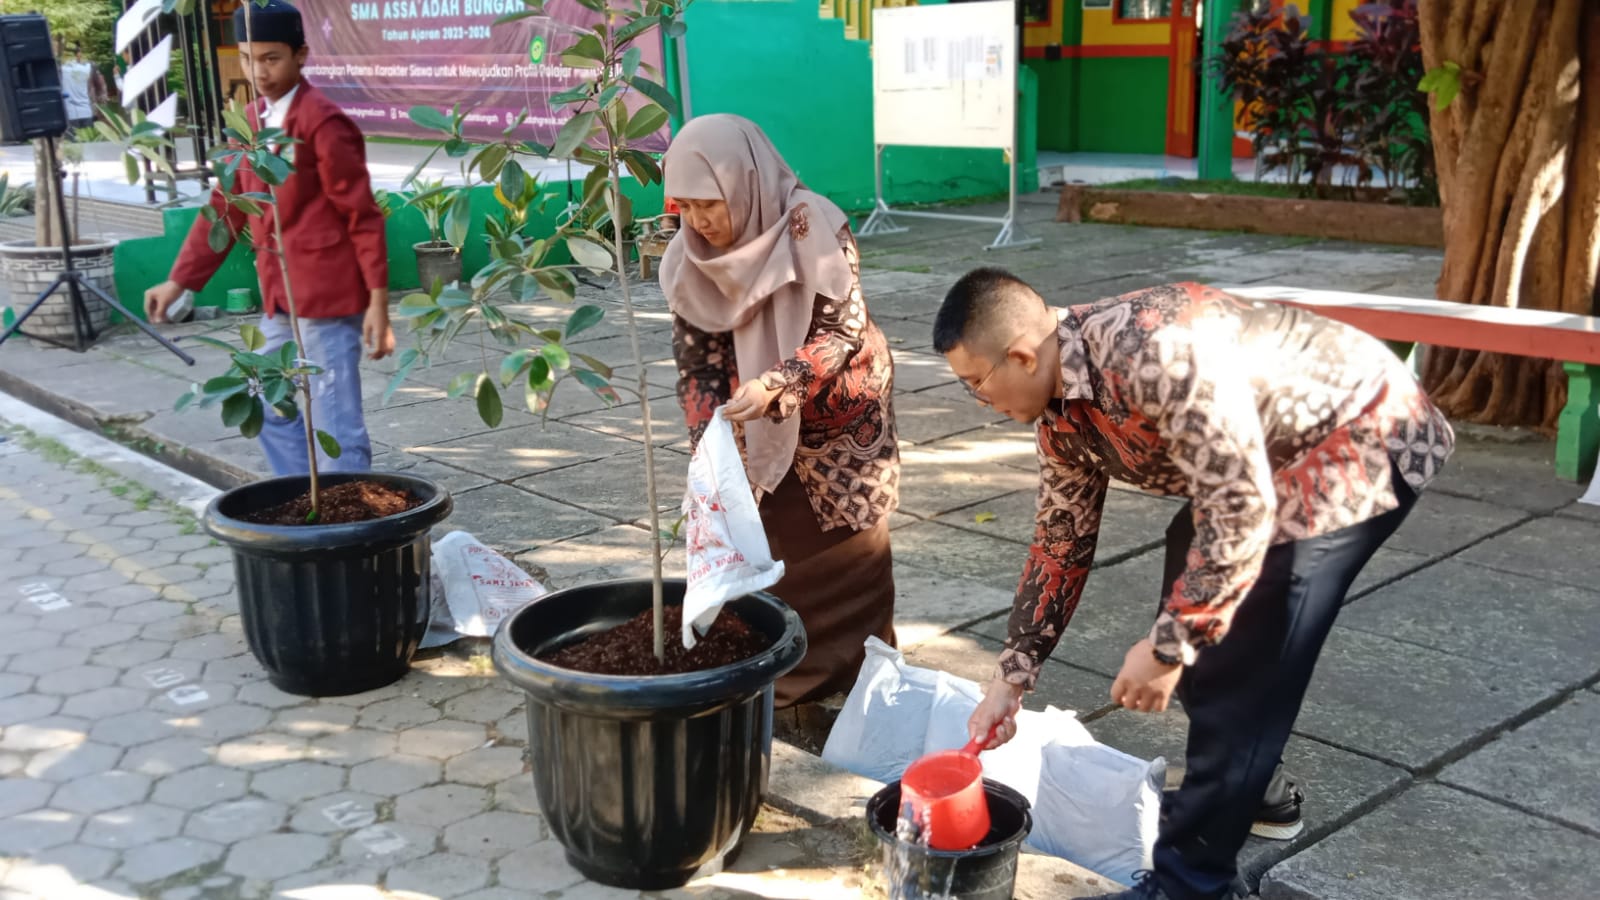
(840, 383)
(1276, 424)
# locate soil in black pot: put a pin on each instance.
(353, 501)
(629, 648)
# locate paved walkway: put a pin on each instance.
(1448, 746)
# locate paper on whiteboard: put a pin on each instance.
(934, 61)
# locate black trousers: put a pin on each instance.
(1243, 694)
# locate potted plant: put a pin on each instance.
(332, 571)
(439, 257)
(649, 776)
(29, 266)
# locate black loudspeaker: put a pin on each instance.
(30, 83)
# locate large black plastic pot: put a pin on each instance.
(330, 610)
(646, 780)
(986, 872)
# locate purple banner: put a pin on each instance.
(379, 58)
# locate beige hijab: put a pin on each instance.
(764, 286)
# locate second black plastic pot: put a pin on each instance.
(330, 610)
(646, 780)
(986, 872)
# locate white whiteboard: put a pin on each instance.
(945, 75)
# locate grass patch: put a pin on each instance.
(137, 495)
(1229, 186)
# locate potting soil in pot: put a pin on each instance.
(629, 648)
(354, 501)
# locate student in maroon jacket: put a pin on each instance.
(334, 235)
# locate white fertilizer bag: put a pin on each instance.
(474, 589)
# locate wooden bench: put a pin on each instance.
(1572, 339)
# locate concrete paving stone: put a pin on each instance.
(438, 679)
(970, 656)
(199, 787)
(439, 875)
(440, 805)
(961, 554)
(262, 693)
(271, 856)
(129, 653)
(79, 863)
(12, 685)
(1521, 476)
(615, 487)
(149, 611)
(915, 371)
(397, 714)
(262, 750)
(510, 453)
(101, 791)
(131, 729)
(357, 745)
(395, 775)
(1441, 524)
(338, 812)
(188, 699)
(1407, 704)
(1386, 565)
(76, 680)
(624, 421)
(448, 477)
(26, 708)
(516, 794)
(1437, 843)
(76, 618)
(514, 727)
(167, 756)
(123, 596)
(80, 565)
(941, 476)
(310, 721)
(621, 551)
(48, 733)
(491, 835)
(438, 420)
(231, 721)
(20, 795)
(485, 765)
(178, 630)
(28, 833)
(339, 882)
(298, 781)
(512, 519)
(1546, 765)
(493, 893)
(1116, 610)
(1525, 624)
(928, 604)
(923, 419)
(209, 646)
(29, 640)
(46, 661)
(132, 826)
(1131, 522)
(389, 844)
(64, 764)
(52, 553)
(237, 820)
(166, 858)
(1587, 512)
(1544, 548)
(486, 704)
(442, 739)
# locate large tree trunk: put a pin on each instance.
(1518, 155)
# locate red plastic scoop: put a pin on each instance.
(944, 791)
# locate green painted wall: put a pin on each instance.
(143, 262)
(1056, 110)
(781, 65)
(1122, 105)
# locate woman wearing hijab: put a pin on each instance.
(768, 318)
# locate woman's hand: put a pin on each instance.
(1001, 702)
(750, 401)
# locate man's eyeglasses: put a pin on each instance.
(976, 390)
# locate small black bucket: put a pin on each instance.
(986, 872)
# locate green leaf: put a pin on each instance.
(413, 305)
(583, 318)
(589, 254)
(218, 237)
(246, 205)
(984, 518)
(646, 121)
(557, 286)
(460, 383)
(288, 409)
(630, 62)
(407, 360)
(251, 426)
(595, 364)
(274, 169)
(491, 160)
(224, 386)
(236, 409)
(635, 28)
(211, 342)
(454, 298)
(557, 356)
(573, 134)
(458, 220)
(329, 444)
(287, 354)
(622, 217)
(642, 166)
(593, 184)
(1443, 82)
(512, 365)
(585, 53)
(601, 387)
(430, 118)
(513, 181)
(275, 390)
(187, 400)
(608, 97)
(539, 374)
(570, 95)
(675, 28)
(252, 337)
(489, 405)
(130, 167)
(657, 93)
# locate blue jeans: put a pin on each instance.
(1243, 694)
(335, 345)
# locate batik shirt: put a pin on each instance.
(1276, 424)
(840, 383)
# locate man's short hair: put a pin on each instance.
(985, 311)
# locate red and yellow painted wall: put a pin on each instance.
(1118, 76)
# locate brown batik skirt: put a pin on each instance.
(840, 581)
